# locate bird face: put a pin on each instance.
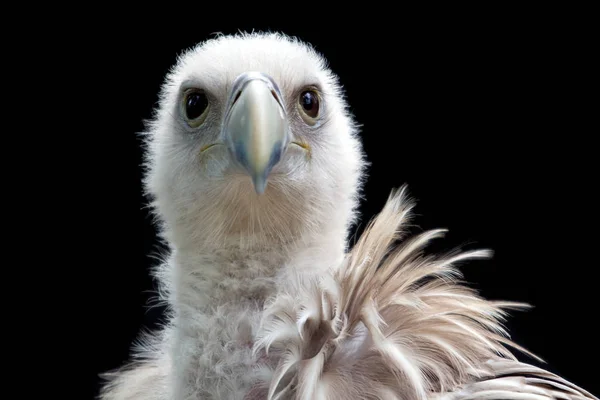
(255, 127)
(252, 137)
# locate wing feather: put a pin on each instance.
(392, 322)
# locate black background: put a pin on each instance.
(473, 113)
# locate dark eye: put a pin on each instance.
(195, 104)
(309, 103)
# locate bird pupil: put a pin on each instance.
(196, 104)
(308, 101)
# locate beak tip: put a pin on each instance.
(260, 184)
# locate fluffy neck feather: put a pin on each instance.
(223, 240)
(238, 274)
(217, 295)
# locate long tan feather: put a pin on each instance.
(517, 380)
(394, 323)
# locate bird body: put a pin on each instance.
(254, 168)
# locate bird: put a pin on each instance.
(254, 170)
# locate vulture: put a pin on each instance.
(254, 170)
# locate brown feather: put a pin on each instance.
(394, 323)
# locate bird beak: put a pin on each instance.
(255, 126)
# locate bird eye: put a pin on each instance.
(309, 106)
(195, 107)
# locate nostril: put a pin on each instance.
(276, 97)
(237, 96)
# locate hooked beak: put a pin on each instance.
(255, 126)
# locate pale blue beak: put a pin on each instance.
(256, 126)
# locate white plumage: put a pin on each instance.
(265, 298)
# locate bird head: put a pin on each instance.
(252, 143)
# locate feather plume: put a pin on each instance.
(518, 381)
(394, 323)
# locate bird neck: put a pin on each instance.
(237, 274)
